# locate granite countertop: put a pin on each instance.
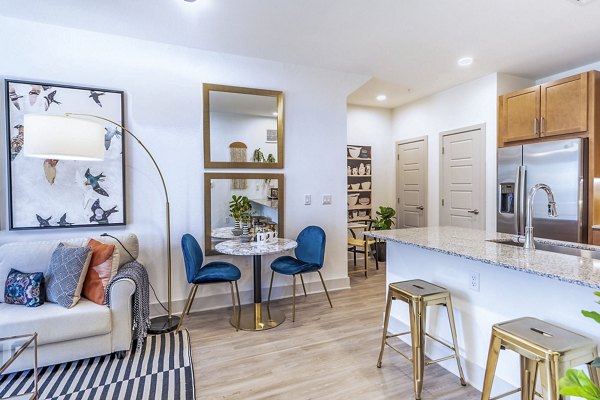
(475, 245)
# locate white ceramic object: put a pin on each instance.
(354, 171)
(352, 199)
(361, 169)
(368, 167)
(355, 186)
(366, 185)
(354, 151)
(364, 201)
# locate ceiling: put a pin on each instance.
(410, 48)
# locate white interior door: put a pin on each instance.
(411, 183)
(462, 178)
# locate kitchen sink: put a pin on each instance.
(554, 248)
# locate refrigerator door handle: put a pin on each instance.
(519, 199)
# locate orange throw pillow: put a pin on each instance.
(100, 272)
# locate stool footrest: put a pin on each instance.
(439, 341)
(439, 360)
(398, 351)
(517, 390)
(396, 335)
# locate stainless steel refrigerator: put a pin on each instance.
(563, 166)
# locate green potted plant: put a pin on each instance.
(575, 382)
(258, 156)
(384, 221)
(240, 209)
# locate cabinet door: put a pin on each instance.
(520, 114)
(564, 106)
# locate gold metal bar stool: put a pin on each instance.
(543, 347)
(419, 294)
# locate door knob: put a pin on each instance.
(473, 211)
(420, 208)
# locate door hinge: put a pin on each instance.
(398, 157)
(442, 201)
(443, 150)
(398, 200)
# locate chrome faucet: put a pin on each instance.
(529, 244)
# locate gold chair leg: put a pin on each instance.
(450, 311)
(294, 299)
(270, 288)
(303, 287)
(417, 329)
(528, 378)
(376, 256)
(233, 313)
(490, 368)
(188, 305)
(325, 287)
(549, 375)
(239, 309)
(386, 318)
(366, 259)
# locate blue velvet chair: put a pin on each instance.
(309, 258)
(213, 272)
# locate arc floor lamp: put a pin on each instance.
(69, 137)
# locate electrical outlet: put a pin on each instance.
(227, 220)
(307, 199)
(474, 281)
(327, 199)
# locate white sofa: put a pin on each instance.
(85, 330)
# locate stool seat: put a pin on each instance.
(417, 288)
(548, 337)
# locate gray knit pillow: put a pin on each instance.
(66, 273)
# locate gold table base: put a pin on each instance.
(255, 317)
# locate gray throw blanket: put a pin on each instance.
(141, 297)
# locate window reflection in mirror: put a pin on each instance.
(264, 193)
(243, 127)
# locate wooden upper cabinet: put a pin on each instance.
(554, 108)
(564, 106)
(520, 117)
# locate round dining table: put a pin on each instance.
(253, 317)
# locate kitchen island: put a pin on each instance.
(490, 282)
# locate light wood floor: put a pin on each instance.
(326, 354)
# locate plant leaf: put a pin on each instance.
(591, 314)
(576, 383)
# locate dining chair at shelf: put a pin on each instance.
(361, 245)
(212, 272)
(310, 254)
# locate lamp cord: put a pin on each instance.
(134, 258)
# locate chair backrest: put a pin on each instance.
(192, 256)
(311, 245)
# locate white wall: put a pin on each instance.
(163, 85)
(370, 126)
(574, 71)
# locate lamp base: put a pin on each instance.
(163, 324)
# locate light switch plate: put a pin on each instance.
(307, 199)
(326, 199)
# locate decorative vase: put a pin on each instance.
(245, 229)
(237, 231)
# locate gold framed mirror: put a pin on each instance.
(243, 127)
(264, 191)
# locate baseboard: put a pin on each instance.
(473, 373)
(221, 300)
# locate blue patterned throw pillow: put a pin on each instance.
(24, 288)
(66, 273)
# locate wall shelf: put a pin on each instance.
(355, 163)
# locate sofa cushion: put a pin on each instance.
(65, 274)
(54, 323)
(104, 265)
(27, 289)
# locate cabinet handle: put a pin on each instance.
(541, 124)
(535, 127)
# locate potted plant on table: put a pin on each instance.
(240, 209)
(575, 382)
(384, 221)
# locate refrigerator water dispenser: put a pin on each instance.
(507, 198)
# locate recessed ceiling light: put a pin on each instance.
(381, 97)
(465, 61)
(581, 2)
(190, 1)
(275, 113)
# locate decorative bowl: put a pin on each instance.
(364, 201)
(366, 185)
(355, 186)
(352, 199)
(354, 151)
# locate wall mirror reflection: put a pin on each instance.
(243, 127)
(237, 204)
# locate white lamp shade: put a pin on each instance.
(62, 138)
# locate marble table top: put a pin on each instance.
(222, 233)
(238, 248)
(476, 245)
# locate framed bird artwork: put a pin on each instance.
(48, 194)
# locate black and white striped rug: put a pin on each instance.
(161, 370)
